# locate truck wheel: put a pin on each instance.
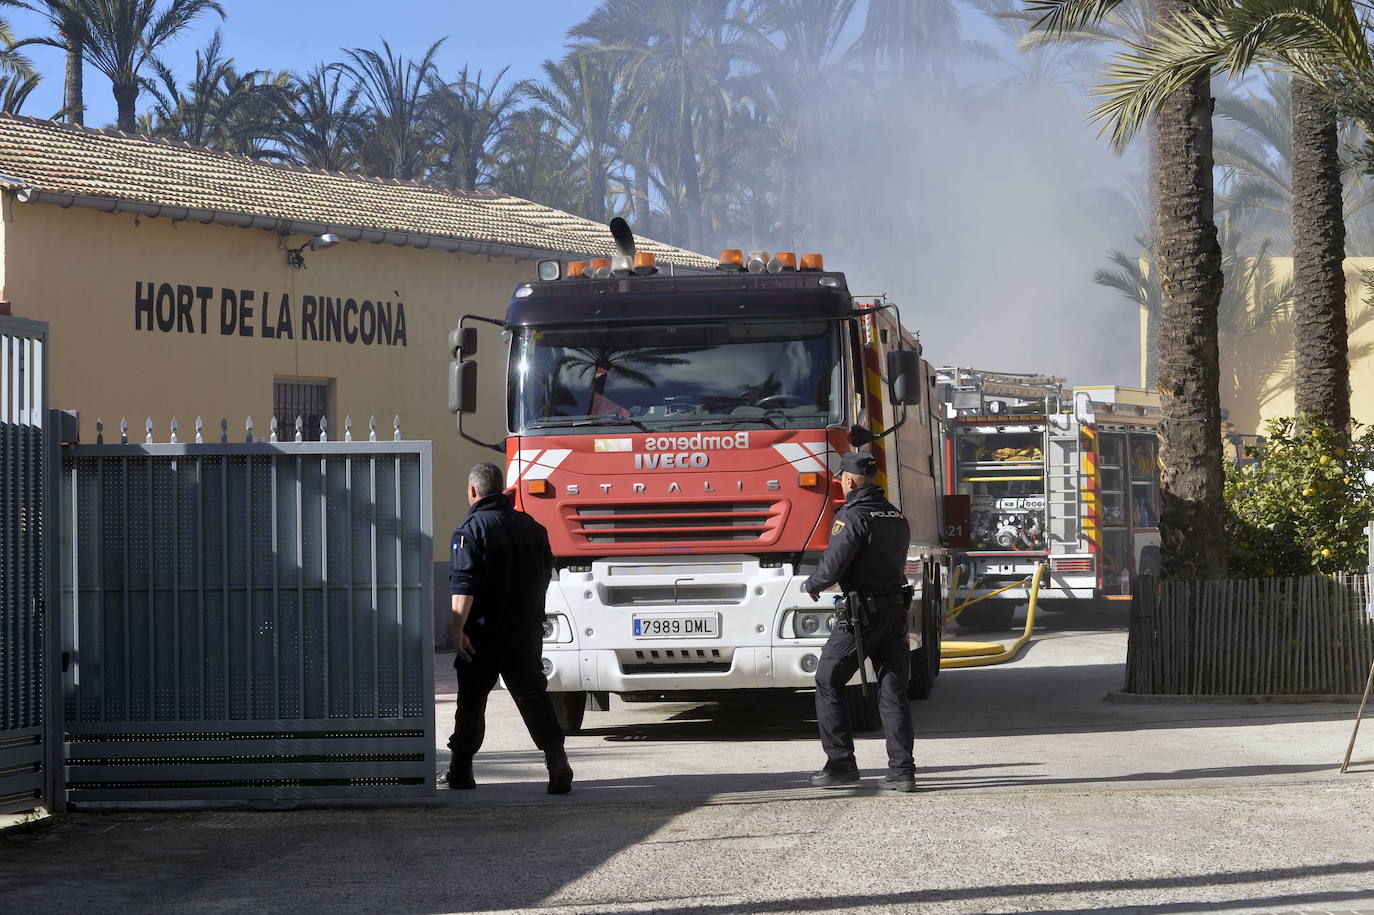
(569, 709)
(993, 614)
(863, 713)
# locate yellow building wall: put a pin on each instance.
(79, 270)
(1257, 367)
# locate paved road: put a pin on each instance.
(1040, 796)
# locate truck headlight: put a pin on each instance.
(550, 628)
(812, 625)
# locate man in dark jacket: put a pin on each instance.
(498, 573)
(867, 557)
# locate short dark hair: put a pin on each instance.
(486, 478)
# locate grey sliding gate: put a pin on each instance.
(29, 740)
(247, 620)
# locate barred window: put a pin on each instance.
(307, 398)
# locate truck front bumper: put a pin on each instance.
(593, 648)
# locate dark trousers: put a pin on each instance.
(885, 643)
(517, 660)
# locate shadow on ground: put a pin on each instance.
(448, 859)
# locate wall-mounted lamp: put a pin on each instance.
(318, 243)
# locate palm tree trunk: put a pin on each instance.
(597, 191)
(642, 209)
(1193, 544)
(691, 178)
(1321, 365)
(73, 96)
(126, 98)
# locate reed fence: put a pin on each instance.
(1312, 635)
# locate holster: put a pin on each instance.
(859, 607)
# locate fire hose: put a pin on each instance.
(982, 654)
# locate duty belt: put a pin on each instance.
(890, 600)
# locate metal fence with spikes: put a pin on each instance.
(247, 619)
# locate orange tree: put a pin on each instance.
(1302, 504)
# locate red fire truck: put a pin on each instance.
(679, 437)
(1036, 472)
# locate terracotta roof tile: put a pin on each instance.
(87, 162)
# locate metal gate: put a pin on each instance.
(28, 738)
(247, 620)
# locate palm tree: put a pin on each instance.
(15, 90)
(120, 37)
(1321, 44)
(322, 126)
(583, 97)
(919, 41)
(1254, 157)
(401, 125)
(469, 116)
(65, 17)
(800, 69)
(1252, 297)
(676, 56)
(1321, 357)
(1189, 264)
(531, 161)
(220, 107)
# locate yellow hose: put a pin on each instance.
(954, 613)
(981, 654)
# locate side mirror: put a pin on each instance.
(859, 436)
(462, 386)
(462, 342)
(905, 376)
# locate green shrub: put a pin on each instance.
(1302, 504)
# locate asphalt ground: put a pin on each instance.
(1038, 794)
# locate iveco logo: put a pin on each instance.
(681, 461)
(575, 489)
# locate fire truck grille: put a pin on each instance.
(675, 595)
(703, 522)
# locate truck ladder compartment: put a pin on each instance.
(1063, 485)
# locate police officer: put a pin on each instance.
(499, 572)
(867, 555)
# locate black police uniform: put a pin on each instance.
(501, 557)
(867, 554)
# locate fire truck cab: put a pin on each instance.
(1038, 472)
(679, 438)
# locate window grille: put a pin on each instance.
(308, 399)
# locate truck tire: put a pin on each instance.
(991, 615)
(863, 713)
(569, 709)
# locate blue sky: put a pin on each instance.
(282, 34)
(297, 34)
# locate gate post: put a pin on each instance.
(28, 729)
(62, 429)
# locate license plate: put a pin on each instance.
(700, 626)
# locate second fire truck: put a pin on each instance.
(1035, 471)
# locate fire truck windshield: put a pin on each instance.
(782, 375)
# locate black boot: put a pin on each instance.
(459, 776)
(560, 772)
